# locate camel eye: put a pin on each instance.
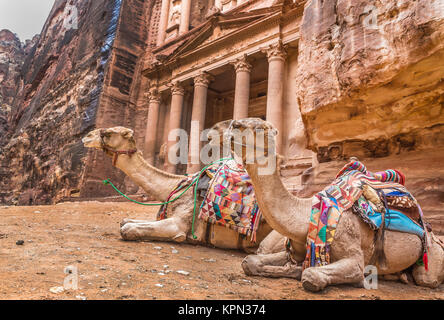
(104, 134)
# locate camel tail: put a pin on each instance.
(379, 258)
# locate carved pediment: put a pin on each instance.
(220, 26)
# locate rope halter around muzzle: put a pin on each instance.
(115, 153)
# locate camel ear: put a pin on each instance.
(274, 132)
(127, 133)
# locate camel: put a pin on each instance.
(353, 244)
(118, 142)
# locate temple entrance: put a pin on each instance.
(221, 92)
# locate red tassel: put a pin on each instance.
(425, 259)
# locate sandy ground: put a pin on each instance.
(86, 236)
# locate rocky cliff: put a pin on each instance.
(62, 78)
(78, 76)
(370, 76)
(12, 57)
(370, 84)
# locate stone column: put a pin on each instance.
(201, 83)
(177, 94)
(163, 22)
(276, 74)
(153, 98)
(242, 90)
(185, 17)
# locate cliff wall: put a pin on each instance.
(370, 85)
(62, 79)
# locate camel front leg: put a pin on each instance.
(273, 243)
(276, 265)
(165, 230)
(347, 270)
(125, 221)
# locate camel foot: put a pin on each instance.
(153, 231)
(248, 265)
(274, 265)
(314, 281)
(129, 232)
(404, 278)
(124, 222)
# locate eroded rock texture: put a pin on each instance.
(371, 85)
(79, 75)
(12, 55)
(62, 80)
(369, 72)
(121, 102)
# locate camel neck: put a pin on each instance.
(155, 182)
(284, 212)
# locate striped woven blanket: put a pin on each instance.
(341, 195)
(230, 200)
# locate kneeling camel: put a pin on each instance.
(119, 144)
(353, 244)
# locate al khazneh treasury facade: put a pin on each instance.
(235, 60)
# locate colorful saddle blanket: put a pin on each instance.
(228, 201)
(351, 189)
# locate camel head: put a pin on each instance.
(433, 277)
(247, 137)
(111, 140)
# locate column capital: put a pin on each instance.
(153, 94)
(242, 65)
(203, 79)
(275, 51)
(176, 88)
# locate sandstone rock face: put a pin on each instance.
(371, 75)
(370, 84)
(122, 102)
(12, 56)
(79, 75)
(62, 80)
